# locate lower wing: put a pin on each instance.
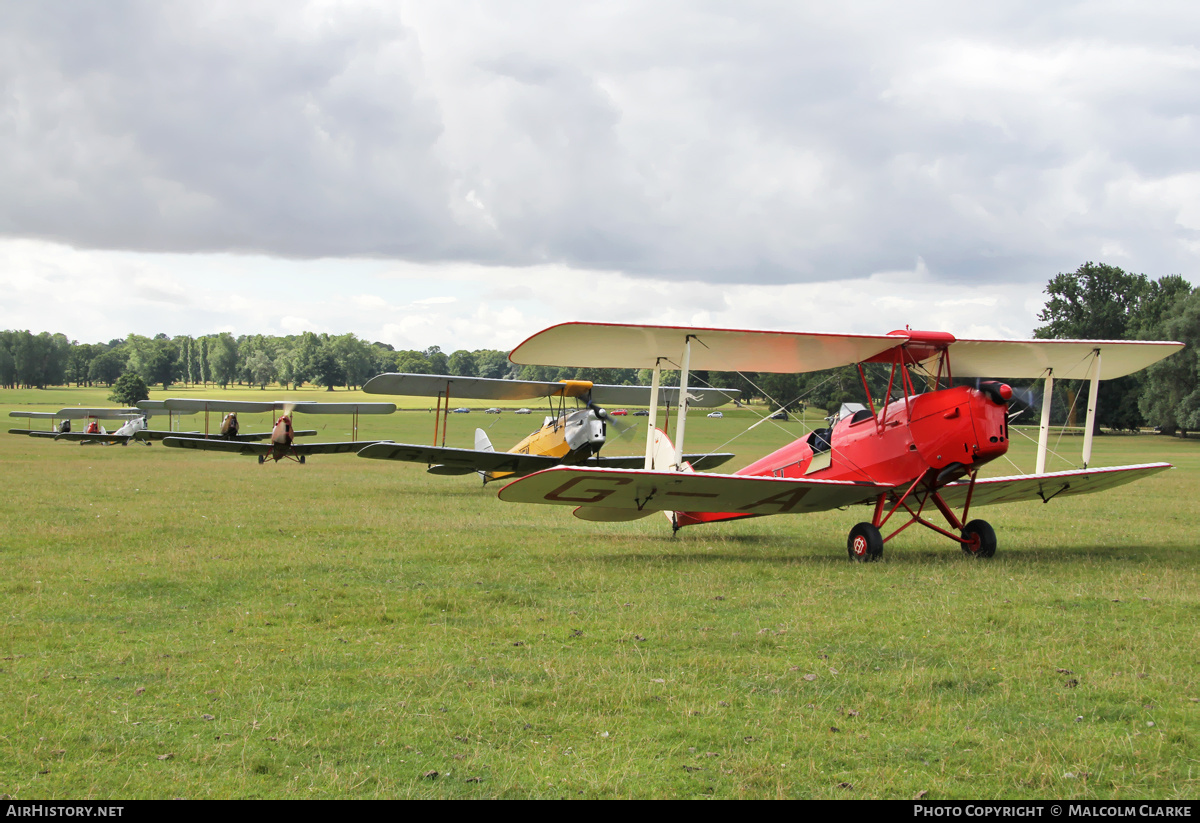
(151, 434)
(643, 491)
(1044, 487)
(84, 438)
(469, 461)
(460, 461)
(240, 447)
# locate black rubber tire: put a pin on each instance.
(261, 460)
(980, 537)
(301, 459)
(865, 544)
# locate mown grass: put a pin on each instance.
(182, 624)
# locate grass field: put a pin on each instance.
(183, 624)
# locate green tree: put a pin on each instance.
(325, 369)
(1102, 302)
(438, 362)
(222, 359)
(261, 369)
(1171, 395)
(129, 389)
(491, 363)
(462, 364)
(154, 359)
(107, 367)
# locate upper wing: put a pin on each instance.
(460, 461)
(177, 404)
(675, 491)
(1045, 486)
(1064, 359)
(488, 388)
(611, 345)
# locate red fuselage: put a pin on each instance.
(281, 438)
(941, 435)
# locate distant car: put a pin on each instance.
(716, 414)
(522, 411)
(619, 413)
(779, 415)
(491, 411)
(642, 413)
(461, 410)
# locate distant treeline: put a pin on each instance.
(222, 360)
(1095, 302)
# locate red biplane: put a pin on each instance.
(906, 455)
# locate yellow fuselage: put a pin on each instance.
(572, 438)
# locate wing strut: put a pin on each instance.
(652, 423)
(680, 424)
(1044, 428)
(1091, 410)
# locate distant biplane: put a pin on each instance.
(281, 439)
(914, 452)
(135, 427)
(567, 436)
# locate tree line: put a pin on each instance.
(1096, 301)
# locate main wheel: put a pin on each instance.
(302, 458)
(260, 459)
(980, 537)
(865, 544)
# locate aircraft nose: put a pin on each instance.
(1000, 393)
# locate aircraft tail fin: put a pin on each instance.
(482, 443)
(663, 455)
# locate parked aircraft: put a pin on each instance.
(910, 453)
(572, 437)
(135, 427)
(281, 440)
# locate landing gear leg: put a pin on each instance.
(865, 544)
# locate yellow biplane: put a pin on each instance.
(571, 437)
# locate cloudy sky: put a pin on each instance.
(463, 174)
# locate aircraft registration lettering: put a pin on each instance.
(786, 501)
(598, 494)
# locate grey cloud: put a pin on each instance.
(748, 142)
